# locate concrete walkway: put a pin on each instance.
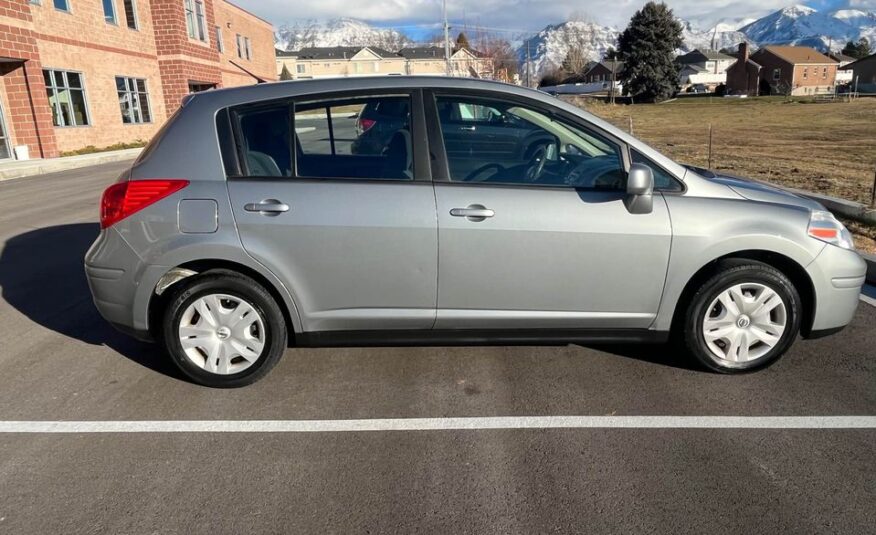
(24, 168)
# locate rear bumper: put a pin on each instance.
(837, 277)
(118, 280)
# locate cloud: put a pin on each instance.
(525, 15)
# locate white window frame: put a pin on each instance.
(112, 17)
(66, 87)
(220, 44)
(65, 9)
(196, 19)
(134, 14)
(239, 46)
(135, 95)
(247, 45)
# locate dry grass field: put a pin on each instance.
(824, 147)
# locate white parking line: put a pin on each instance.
(868, 295)
(443, 424)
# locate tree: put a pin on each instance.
(611, 54)
(285, 74)
(574, 62)
(647, 48)
(462, 41)
(858, 50)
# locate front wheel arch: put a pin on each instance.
(789, 267)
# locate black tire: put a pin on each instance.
(728, 273)
(239, 286)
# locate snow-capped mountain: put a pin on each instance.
(337, 32)
(802, 25)
(722, 35)
(547, 49)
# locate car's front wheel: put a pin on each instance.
(744, 317)
(223, 330)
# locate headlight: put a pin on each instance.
(825, 227)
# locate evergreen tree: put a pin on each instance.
(462, 41)
(647, 47)
(285, 74)
(858, 50)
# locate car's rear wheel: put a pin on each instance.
(223, 330)
(743, 318)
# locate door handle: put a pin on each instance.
(271, 207)
(467, 128)
(473, 212)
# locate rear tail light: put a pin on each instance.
(365, 125)
(126, 198)
(827, 228)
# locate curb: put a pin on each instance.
(28, 168)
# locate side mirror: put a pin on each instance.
(640, 189)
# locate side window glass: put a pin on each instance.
(502, 142)
(266, 141)
(366, 137)
(663, 181)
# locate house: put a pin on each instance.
(705, 67)
(843, 75)
(429, 60)
(76, 73)
(602, 71)
(863, 74)
(787, 70)
(339, 61)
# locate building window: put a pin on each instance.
(195, 20)
(777, 73)
(247, 48)
(130, 14)
(66, 94)
(239, 46)
(133, 100)
(63, 5)
(220, 46)
(35, 2)
(109, 12)
(824, 73)
(805, 72)
(300, 69)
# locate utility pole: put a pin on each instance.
(528, 76)
(613, 77)
(447, 42)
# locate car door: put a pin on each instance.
(353, 236)
(549, 242)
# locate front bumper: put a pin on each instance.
(837, 277)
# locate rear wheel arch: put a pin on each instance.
(158, 303)
(788, 266)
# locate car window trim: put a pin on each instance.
(419, 137)
(440, 163)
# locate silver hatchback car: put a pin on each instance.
(464, 212)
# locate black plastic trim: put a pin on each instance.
(478, 337)
(821, 333)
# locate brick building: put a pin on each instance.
(791, 70)
(75, 73)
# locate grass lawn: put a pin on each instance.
(825, 147)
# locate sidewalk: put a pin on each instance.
(24, 168)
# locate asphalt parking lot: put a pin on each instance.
(61, 363)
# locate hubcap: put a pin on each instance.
(222, 334)
(744, 323)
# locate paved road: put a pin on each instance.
(59, 361)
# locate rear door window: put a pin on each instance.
(354, 138)
(265, 140)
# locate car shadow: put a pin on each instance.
(665, 354)
(42, 277)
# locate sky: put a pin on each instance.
(422, 17)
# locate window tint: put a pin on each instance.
(502, 142)
(355, 138)
(662, 179)
(266, 143)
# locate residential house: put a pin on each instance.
(706, 67)
(339, 61)
(843, 75)
(863, 74)
(602, 71)
(792, 70)
(76, 73)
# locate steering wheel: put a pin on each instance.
(475, 176)
(535, 167)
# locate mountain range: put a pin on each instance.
(796, 24)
